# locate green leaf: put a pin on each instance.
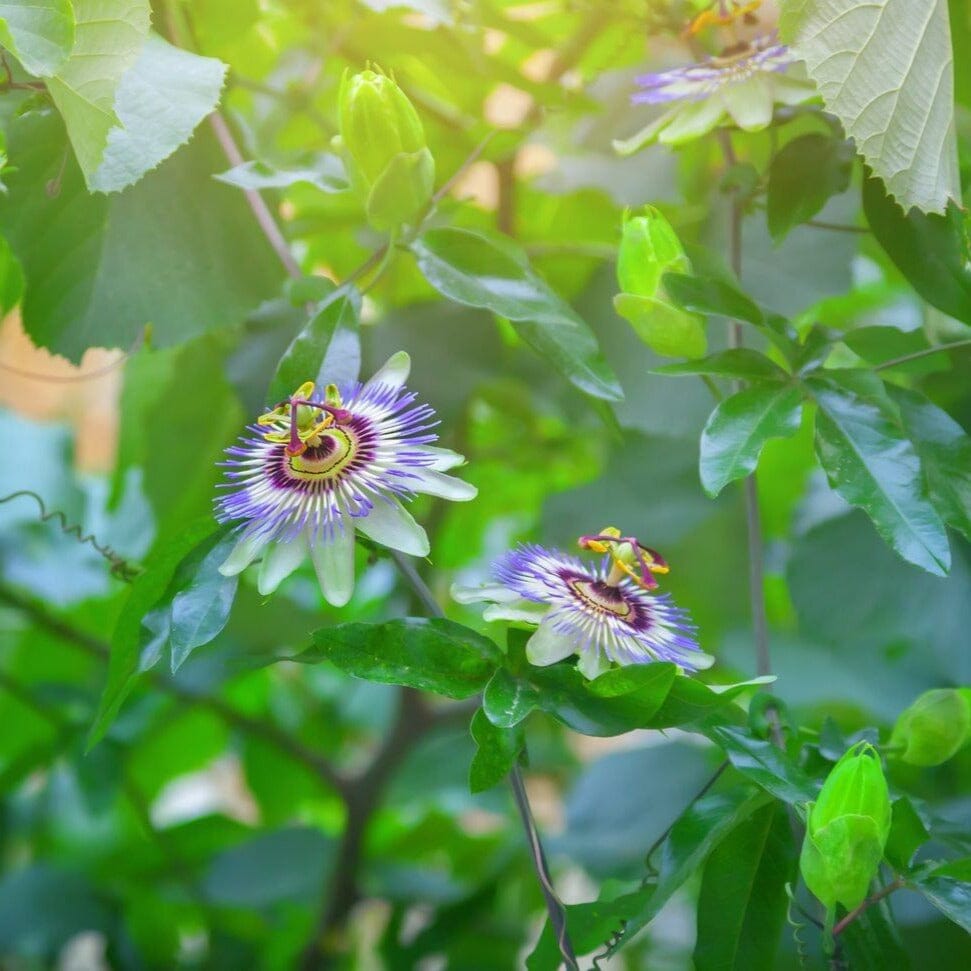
(742, 904)
(948, 888)
(765, 764)
(201, 607)
(738, 362)
(802, 177)
(561, 691)
(945, 454)
(691, 702)
(907, 834)
(487, 271)
(102, 269)
(625, 680)
(740, 426)
(324, 171)
(666, 330)
(108, 37)
(497, 752)
(160, 100)
(898, 110)
(39, 33)
(145, 593)
(11, 279)
(931, 250)
(872, 465)
(327, 350)
(589, 924)
(431, 654)
(699, 829)
(707, 295)
(507, 700)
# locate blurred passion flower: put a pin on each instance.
(323, 464)
(740, 86)
(604, 613)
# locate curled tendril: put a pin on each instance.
(802, 947)
(120, 567)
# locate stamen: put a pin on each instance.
(298, 439)
(622, 551)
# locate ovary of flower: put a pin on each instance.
(318, 467)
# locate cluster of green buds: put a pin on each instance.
(934, 727)
(649, 248)
(847, 829)
(388, 158)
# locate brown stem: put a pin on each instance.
(866, 905)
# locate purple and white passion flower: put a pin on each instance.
(326, 463)
(603, 612)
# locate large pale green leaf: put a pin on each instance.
(159, 102)
(872, 465)
(742, 904)
(39, 33)
(177, 251)
(487, 271)
(740, 426)
(108, 37)
(885, 69)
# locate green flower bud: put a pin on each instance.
(933, 728)
(377, 123)
(649, 248)
(847, 829)
(390, 163)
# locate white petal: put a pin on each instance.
(547, 646)
(520, 611)
(244, 552)
(496, 592)
(393, 372)
(444, 486)
(334, 562)
(281, 559)
(445, 458)
(592, 664)
(390, 524)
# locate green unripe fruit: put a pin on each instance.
(933, 728)
(847, 829)
(649, 248)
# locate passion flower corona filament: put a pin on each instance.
(325, 463)
(605, 612)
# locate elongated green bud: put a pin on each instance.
(377, 122)
(933, 728)
(389, 160)
(847, 829)
(649, 247)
